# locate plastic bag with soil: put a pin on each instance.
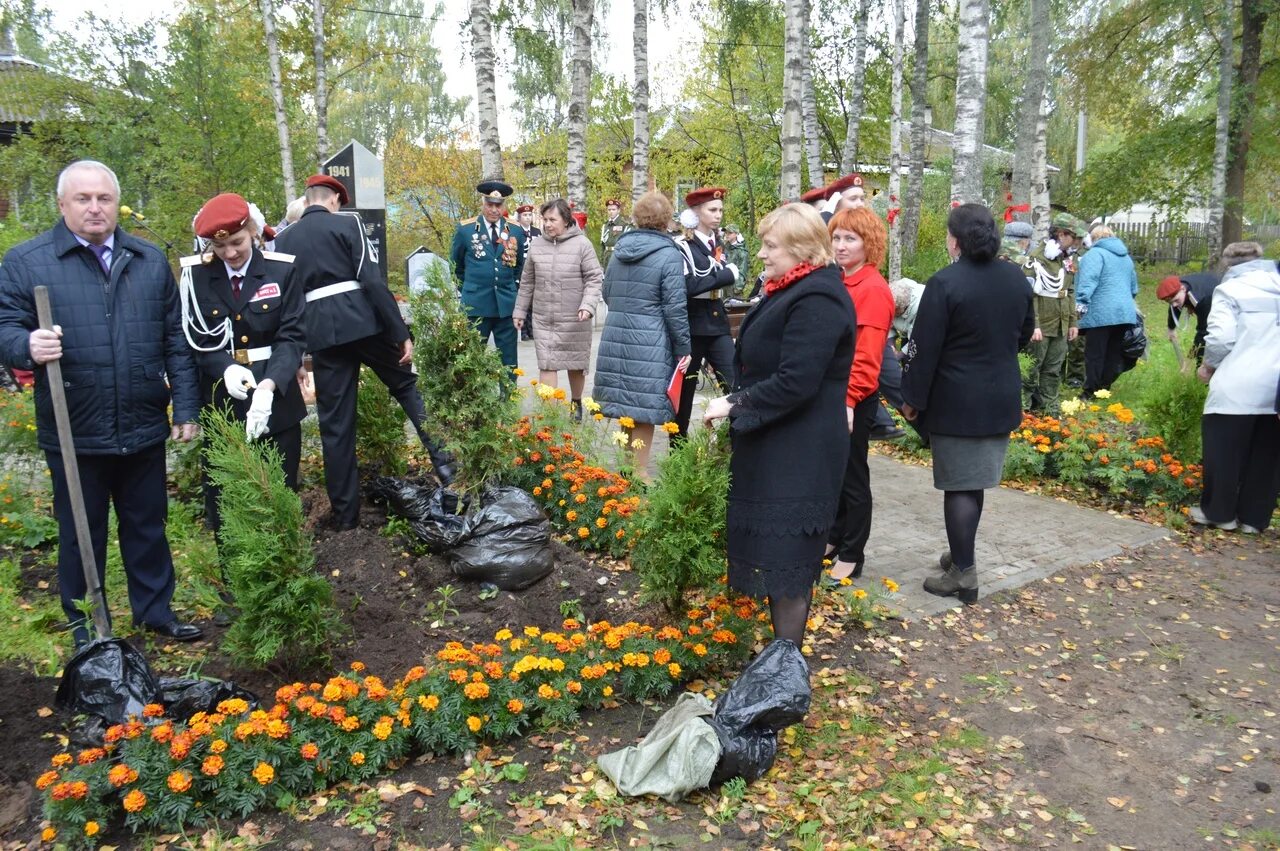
(771, 694)
(110, 680)
(433, 512)
(677, 756)
(507, 541)
(183, 698)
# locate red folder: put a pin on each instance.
(676, 384)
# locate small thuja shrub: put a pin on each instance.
(680, 537)
(380, 436)
(286, 611)
(1171, 403)
(470, 396)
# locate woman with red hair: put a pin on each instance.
(858, 239)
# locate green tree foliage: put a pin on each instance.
(380, 421)
(287, 614)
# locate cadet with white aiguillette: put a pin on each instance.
(242, 314)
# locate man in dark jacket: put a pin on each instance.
(1194, 291)
(124, 359)
(351, 319)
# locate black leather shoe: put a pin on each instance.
(177, 630)
(892, 433)
(445, 472)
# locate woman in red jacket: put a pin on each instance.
(858, 238)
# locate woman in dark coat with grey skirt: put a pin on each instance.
(646, 332)
(787, 419)
(963, 383)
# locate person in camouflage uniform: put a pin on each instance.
(1073, 369)
(1051, 270)
(1015, 242)
(615, 227)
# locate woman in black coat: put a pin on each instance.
(963, 383)
(787, 419)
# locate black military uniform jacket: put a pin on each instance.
(707, 281)
(269, 312)
(331, 248)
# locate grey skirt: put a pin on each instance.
(968, 463)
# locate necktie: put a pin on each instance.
(100, 251)
(235, 285)
(494, 229)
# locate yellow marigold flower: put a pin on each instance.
(476, 691)
(699, 650)
(597, 416)
(574, 687)
(516, 644)
(546, 692)
(662, 655)
(859, 594)
(357, 758)
(233, 706)
(532, 631)
(91, 828)
(134, 801)
(429, 702)
(44, 781)
(559, 394)
(670, 428)
(515, 706)
(571, 515)
(637, 443)
(580, 498)
(351, 723)
(1102, 394)
(674, 669)
(607, 691)
(626, 422)
(264, 773)
(217, 746)
(179, 782)
(48, 834)
(211, 765)
(537, 491)
(153, 710)
(382, 730)
(517, 372)
(474, 723)
(61, 760)
(590, 404)
(309, 751)
(890, 585)
(583, 531)
(357, 666)
(502, 635)
(601, 522)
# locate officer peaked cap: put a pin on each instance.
(494, 191)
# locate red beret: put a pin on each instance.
(332, 183)
(817, 193)
(703, 195)
(613, 202)
(845, 183)
(524, 208)
(1168, 287)
(221, 216)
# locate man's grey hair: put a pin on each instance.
(87, 165)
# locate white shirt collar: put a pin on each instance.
(109, 243)
(706, 240)
(243, 271)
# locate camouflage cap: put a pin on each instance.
(1069, 223)
(1011, 248)
(732, 229)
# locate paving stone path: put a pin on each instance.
(1023, 537)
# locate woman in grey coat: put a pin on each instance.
(647, 330)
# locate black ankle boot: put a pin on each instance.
(575, 410)
(955, 582)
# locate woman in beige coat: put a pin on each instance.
(561, 281)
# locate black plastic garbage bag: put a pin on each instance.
(506, 542)
(1134, 345)
(771, 694)
(433, 512)
(108, 679)
(183, 698)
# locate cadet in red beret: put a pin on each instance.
(815, 197)
(243, 317)
(708, 280)
(850, 190)
(352, 321)
(1194, 291)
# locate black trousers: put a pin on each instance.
(715, 349)
(1241, 467)
(288, 443)
(135, 484)
(337, 374)
(1103, 356)
(852, 525)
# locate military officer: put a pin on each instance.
(708, 279)
(351, 319)
(614, 227)
(1052, 271)
(488, 258)
(243, 316)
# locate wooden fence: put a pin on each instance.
(1181, 244)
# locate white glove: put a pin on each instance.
(733, 267)
(829, 206)
(239, 381)
(255, 424)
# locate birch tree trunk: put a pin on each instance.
(277, 97)
(1040, 212)
(792, 71)
(1244, 96)
(579, 101)
(809, 109)
(1218, 183)
(640, 97)
(486, 90)
(919, 133)
(1037, 75)
(857, 87)
(971, 100)
(322, 88)
(895, 144)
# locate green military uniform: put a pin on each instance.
(1073, 370)
(610, 231)
(1011, 250)
(1053, 281)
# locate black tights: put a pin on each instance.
(961, 510)
(790, 615)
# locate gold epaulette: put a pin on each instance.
(196, 260)
(470, 221)
(278, 255)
